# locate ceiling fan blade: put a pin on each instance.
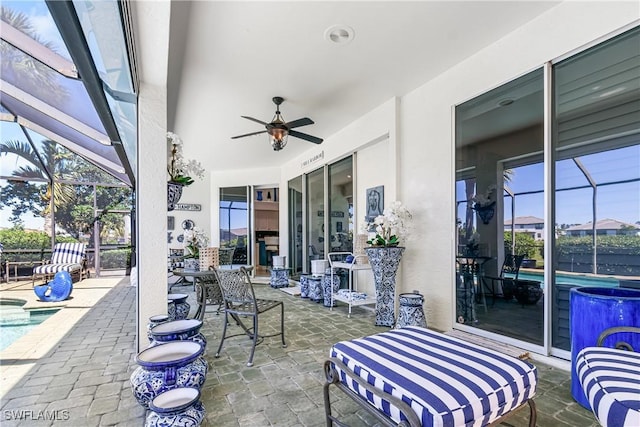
(306, 137)
(300, 122)
(254, 120)
(248, 134)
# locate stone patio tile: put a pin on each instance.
(50, 394)
(103, 405)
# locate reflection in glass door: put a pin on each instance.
(235, 240)
(500, 217)
(341, 206)
(295, 226)
(597, 182)
(315, 216)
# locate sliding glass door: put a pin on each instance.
(499, 189)
(235, 225)
(295, 226)
(597, 172)
(548, 195)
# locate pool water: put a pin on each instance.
(19, 324)
(601, 282)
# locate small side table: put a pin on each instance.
(279, 277)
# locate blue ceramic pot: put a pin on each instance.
(154, 321)
(593, 310)
(178, 330)
(410, 311)
(168, 366)
(182, 307)
(177, 407)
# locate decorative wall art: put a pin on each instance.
(375, 202)
(171, 223)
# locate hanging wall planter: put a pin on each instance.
(485, 212)
(174, 192)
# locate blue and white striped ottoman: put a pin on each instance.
(444, 380)
(610, 379)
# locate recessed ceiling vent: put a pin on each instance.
(339, 34)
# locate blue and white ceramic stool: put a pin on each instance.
(304, 286)
(315, 288)
(411, 311)
(329, 288)
(279, 277)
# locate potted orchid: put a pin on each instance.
(384, 255)
(180, 170)
(391, 226)
(194, 239)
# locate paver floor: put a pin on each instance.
(84, 379)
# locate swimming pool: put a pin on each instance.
(572, 279)
(16, 322)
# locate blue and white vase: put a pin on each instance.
(178, 330)
(168, 366)
(411, 312)
(192, 264)
(384, 262)
(179, 407)
(182, 307)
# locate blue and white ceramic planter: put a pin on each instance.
(178, 330)
(182, 307)
(180, 407)
(154, 321)
(192, 264)
(168, 366)
(411, 312)
(384, 264)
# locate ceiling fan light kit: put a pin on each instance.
(279, 130)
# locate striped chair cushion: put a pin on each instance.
(54, 268)
(610, 379)
(68, 253)
(447, 382)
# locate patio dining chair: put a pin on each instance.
(69, 257)
(240, 301)
(506, 288)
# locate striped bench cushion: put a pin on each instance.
(610, 379)
(68, 253)
(446, 381)
(54, 268)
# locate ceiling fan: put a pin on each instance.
(278, 129)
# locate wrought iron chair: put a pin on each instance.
(240, 301)
(511, 266)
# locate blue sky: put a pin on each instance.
(620, 201)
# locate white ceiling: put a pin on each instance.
(229, 59)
